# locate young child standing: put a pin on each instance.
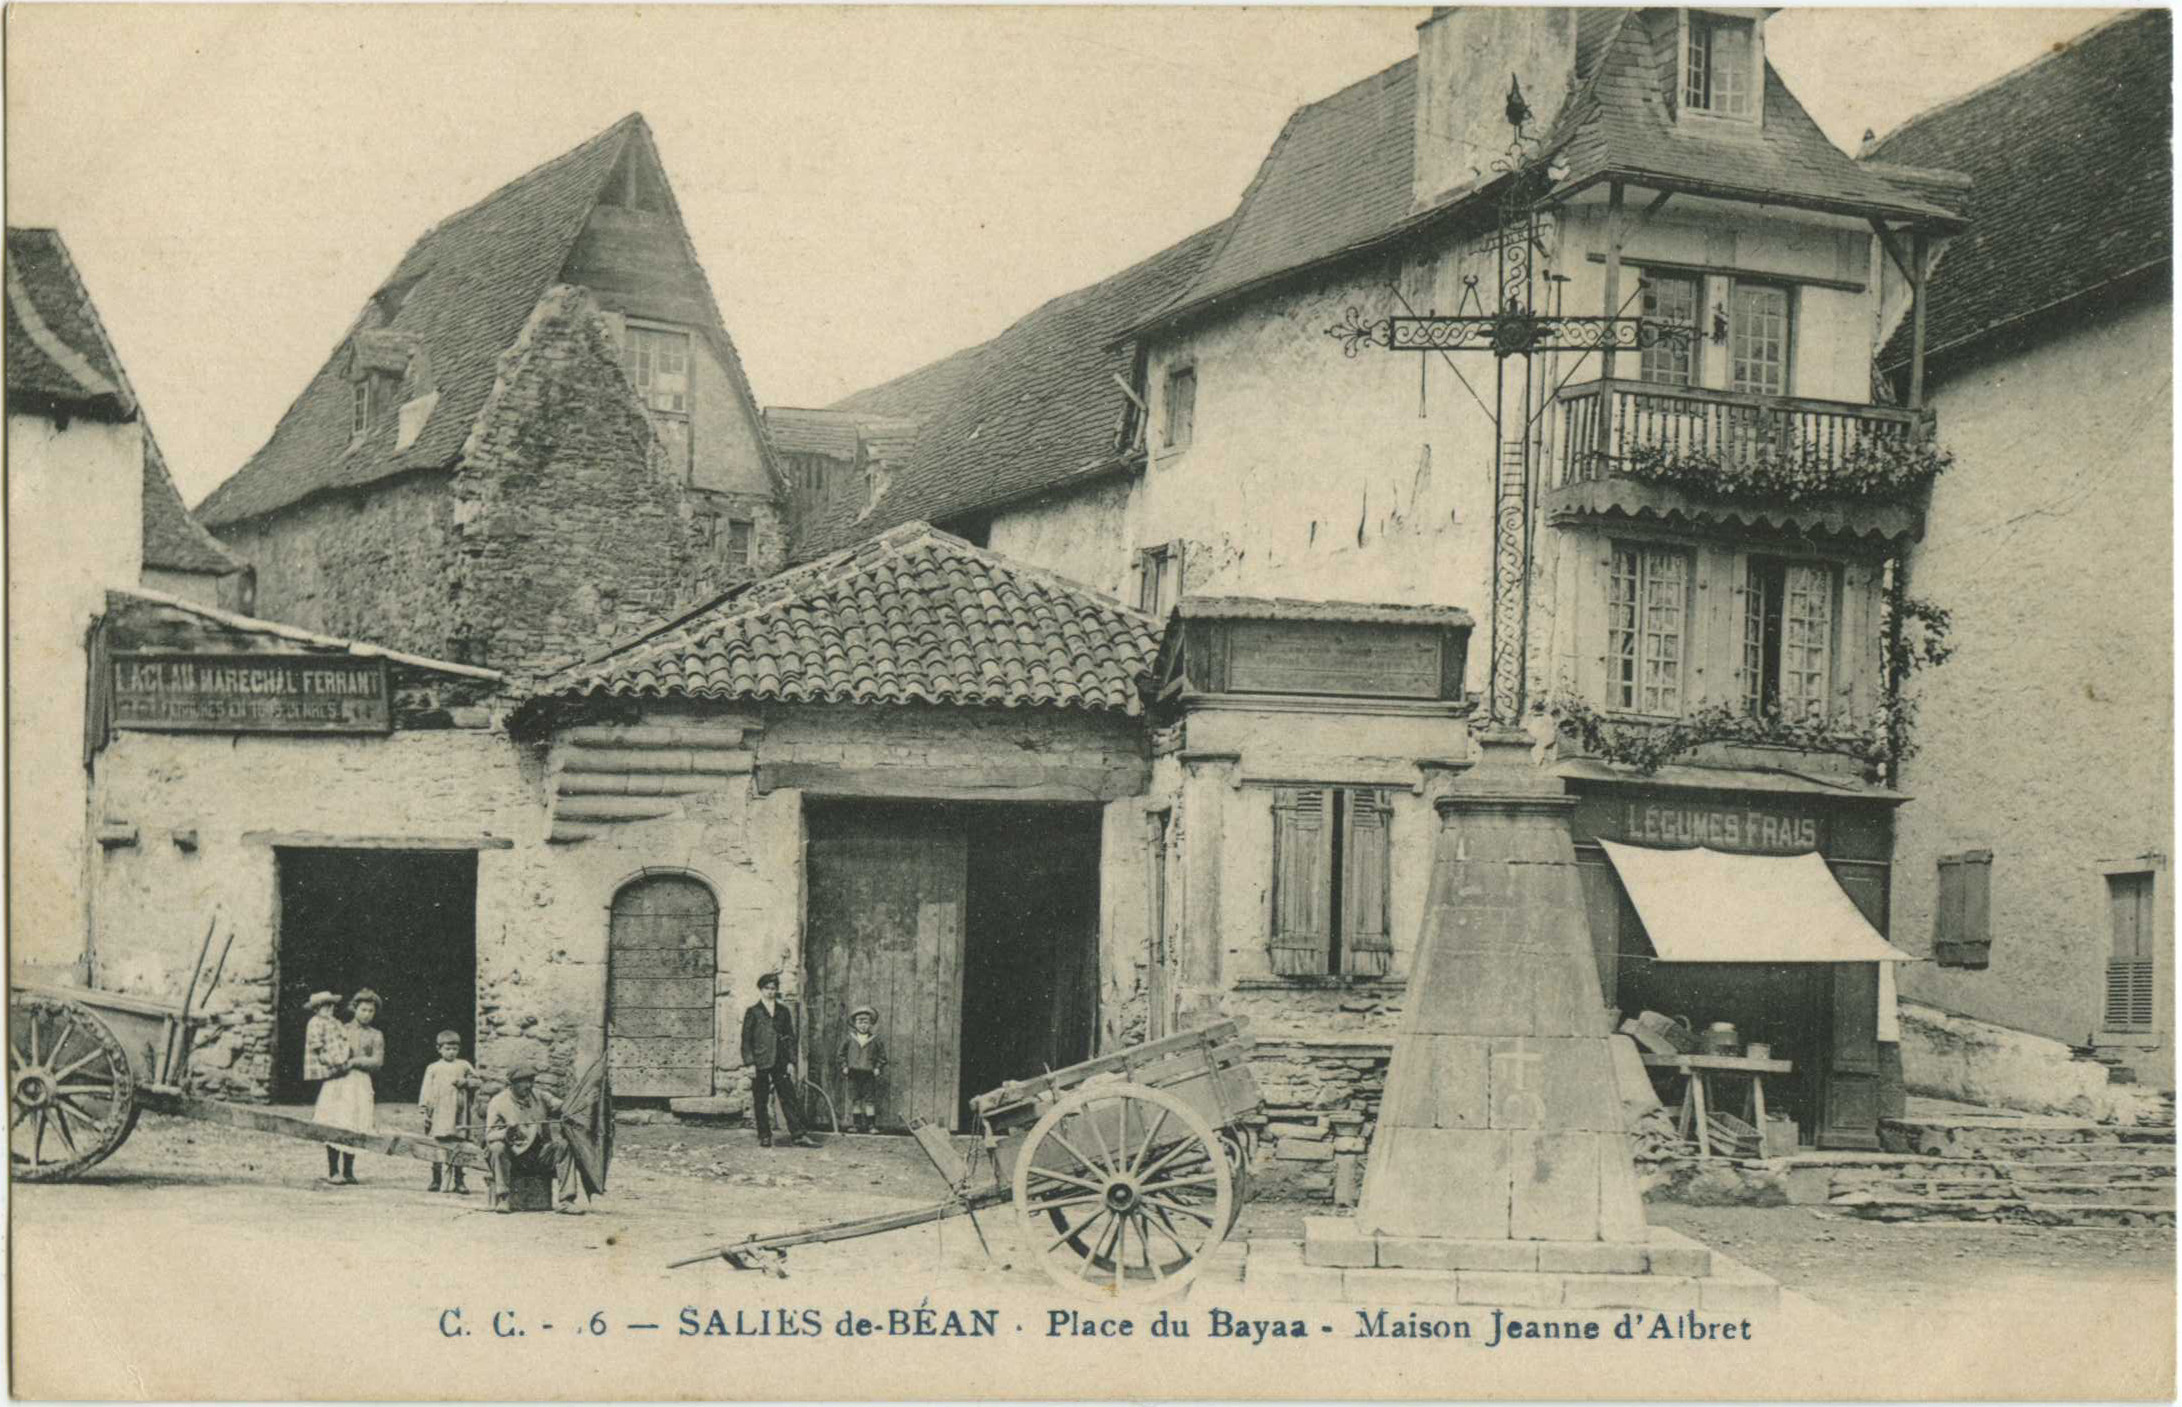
(863, 1061)
(445, 1100)
(325, 1059)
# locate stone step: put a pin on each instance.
(1897, 1207)
(1970, 1135)
(2145, 1194)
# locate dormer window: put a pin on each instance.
(1720, 66)
(373, 394)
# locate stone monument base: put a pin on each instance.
(1336, 1262)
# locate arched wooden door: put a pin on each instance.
(661, 957)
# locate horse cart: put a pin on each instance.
(83, 1064)
(1126, 1171)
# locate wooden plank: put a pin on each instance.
(658, 1052)
(687, 1022)
(238, 1116)
(662, 962)
(327, 840)
(663, 991)
(995, 781)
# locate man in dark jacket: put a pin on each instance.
(769, 1049)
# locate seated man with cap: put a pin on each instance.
(523, 1134)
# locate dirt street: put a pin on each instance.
(201, 1261)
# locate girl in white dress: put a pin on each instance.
(349, 1101)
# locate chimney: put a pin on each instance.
(1466, 55)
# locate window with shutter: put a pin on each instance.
(1962, 919)
(2131, 962)
(1302, 882)
(1159, 577)
(1366, 942)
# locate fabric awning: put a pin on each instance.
(1708, 906)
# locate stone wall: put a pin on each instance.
(362, 564)
(1322, 1106)
(2048, 738)
(568, 534)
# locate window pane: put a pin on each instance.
(1722, 67)
(1621, 645)
(1759, 339)
(1806, 642)
(1664, 610)
(1670, 299)
(1754, 614)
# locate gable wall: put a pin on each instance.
(567, 534)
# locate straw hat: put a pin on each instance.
(319, 999)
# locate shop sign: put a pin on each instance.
(250, 694)
(1317, 657)
(1719, 827)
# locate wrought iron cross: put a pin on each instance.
(1515, 329)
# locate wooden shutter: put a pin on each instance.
(2131, 963)
(1962, 934)
(1302, 882)
(1367, 943)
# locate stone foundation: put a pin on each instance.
(1322, 1105)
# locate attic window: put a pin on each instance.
(372, 395)
(1720, 66)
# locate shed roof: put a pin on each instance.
(2072, 180)
(914, 615)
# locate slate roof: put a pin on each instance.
(460, 296)
(60, 359)
(2072, 180)
(1035, 408)
(912, 616)
(58, 353)
(1339, 178)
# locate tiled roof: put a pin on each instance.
(173, 538)
(1339, 177)
(2072, 179)
(459, 296)
(58, 354)
(912, 616)
(59, 357)
(1033, 408)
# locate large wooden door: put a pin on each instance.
(1849, 1103)
(884, 928)
(662, 949)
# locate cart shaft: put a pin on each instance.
(761, 1246)
(166, 1100)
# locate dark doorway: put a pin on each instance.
(972, 928)
(1030, 952)
(402, 922)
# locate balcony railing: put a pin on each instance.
(1605, 422)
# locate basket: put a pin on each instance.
(1732, 1137)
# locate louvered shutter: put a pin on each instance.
(1367, 944)
(1302, 882)
(2130, 965)
(1962, 933)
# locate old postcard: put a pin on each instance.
(887, 703)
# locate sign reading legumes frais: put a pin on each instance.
(250, 694)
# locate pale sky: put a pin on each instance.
(867, 189)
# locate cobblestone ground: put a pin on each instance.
(201, 1261)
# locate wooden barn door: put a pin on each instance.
(883, 928)
(661, 955)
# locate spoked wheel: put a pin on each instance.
(71, 1093)
(1123, 1191)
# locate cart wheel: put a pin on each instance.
(1122, 1190)
(71, 1092)
(1237, 1148)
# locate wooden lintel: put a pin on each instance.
(1672, 266)
(316, 840)
(1010, 781)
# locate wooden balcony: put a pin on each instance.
(1602, 424)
